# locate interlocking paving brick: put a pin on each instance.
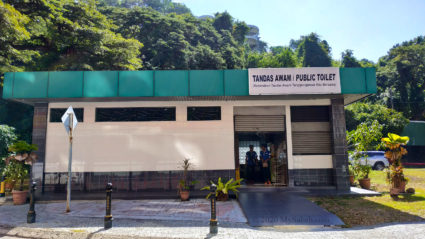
(195, 209)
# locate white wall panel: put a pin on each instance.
(312, 161)
(152, 146)
(142, 146)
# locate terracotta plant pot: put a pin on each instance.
(19, 197)
(222, 197)
(184, 195)
(394, 191)
(365, 183)
(8, 186)
(351, 179)
(402, 186)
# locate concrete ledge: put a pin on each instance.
(363, 192)
(321, 191)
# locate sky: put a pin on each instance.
(369, 28)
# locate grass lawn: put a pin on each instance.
(366, 211)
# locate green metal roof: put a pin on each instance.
(416, 132)
(168, 83)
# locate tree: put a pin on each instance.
(162, 6)
(364, 138)
(74, 35)
(348, 59)
(312, 52)
(278, 57)
(14, 57)
(391, 120)
(177, 41)
(401, 78)
(203, 57)
(366, 63)
(286, 57)
(18, 116)
(276, 49)
(223, 21)
(7, 137)
(13, 33)
(240, 29)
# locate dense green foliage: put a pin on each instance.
(162, 6)
(13, 32)
(348, 60)
(364, 138)
(391, 120)
(182, 41)
(278, 57)
(401, 78)
(313, 52)
(22, 147)
(7, 137)
(71, 35)
(17, 115)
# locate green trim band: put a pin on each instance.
(167, 83)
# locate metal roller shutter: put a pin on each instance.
(310, 142)
(311, 130)
(259, 123)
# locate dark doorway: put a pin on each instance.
(276, 145)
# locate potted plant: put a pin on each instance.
(223, 189)
(360, 169)
(2, 168)
(395, 151)
(351, 173)
(185, 184)
(8, 183)
(363, 175)
(18, 167)
(363, 138)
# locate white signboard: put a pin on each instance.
(290, 81)
(65, 119)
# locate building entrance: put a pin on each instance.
(250, 163)
(260, 136)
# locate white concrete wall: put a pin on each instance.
(151, 146)
(312, 161)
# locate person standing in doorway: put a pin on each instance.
(265, 164)
(251, 160)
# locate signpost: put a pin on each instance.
(70, 122)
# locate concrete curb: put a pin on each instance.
(56, 234)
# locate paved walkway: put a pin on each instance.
(166, 209)
(52, 222)
(283, 208)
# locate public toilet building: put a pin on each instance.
(136, 127)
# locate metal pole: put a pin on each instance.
(31, 211)
(213, 220)
(68, 193)
(108, 216)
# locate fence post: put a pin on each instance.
(108, 216)
(31, 211)
(213, 220)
